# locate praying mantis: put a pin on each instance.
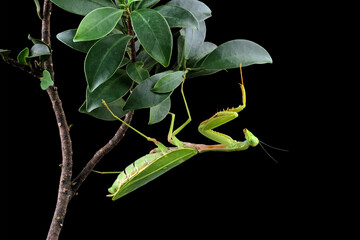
(162, 158)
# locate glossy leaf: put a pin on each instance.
(4, 54)
(103, 114)
(38, 41)
(22, 56)
(205, 49)
(104, 58)
(145, 4)
(137, 72)
(131, 1)
(201, 72)
(67, 37)
(199, 9)
(98, 24)
(46, 80)
(38, 8)
(35, 40)
(194, 38)
(154, 34)
(178, 17)
(148, 61)
(39, 50)
(82, 7)
(169, 82)
(114, 88)
(143, 97)
(231, 54)
(181, 52)
(160, 111)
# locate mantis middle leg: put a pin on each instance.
(172, 134)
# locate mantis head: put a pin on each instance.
(252, 140)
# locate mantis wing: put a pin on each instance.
(147, 168)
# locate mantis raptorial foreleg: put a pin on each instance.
(222, 117)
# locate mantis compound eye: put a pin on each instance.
(252, 140)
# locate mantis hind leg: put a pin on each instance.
(222, 117)
(172, 134)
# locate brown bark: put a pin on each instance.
(64, 191)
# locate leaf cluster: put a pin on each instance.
(169, 43)
(34, 59)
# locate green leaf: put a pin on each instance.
(22, 56)
(143, 97)
(82, 7)
(181, 51)
(104, 58)
(205, 49)
(148, 61)
(4, 54)
(46, 80)
(178, 17)
(38, 8)
(39, 50)
(36, 41)
(98, 24)
(160, 111)
(102, 112)
(201, 72)
(199, 9)
(131, 1)
(194, 38)
(154, 34)
(231, 54)
(136, 72)
(169, 82)
(146, 4)
(114, 88)
(67, 37)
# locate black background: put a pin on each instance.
(213, 194)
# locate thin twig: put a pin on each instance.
(101, 153)
(33, 72)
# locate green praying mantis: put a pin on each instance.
(162, 158)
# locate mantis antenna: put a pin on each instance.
(280, 149)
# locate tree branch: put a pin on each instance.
(102, 152)
(33, 72)
(65, 191)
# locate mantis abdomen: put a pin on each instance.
(148, 168)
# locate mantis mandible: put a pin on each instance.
(162, 158)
